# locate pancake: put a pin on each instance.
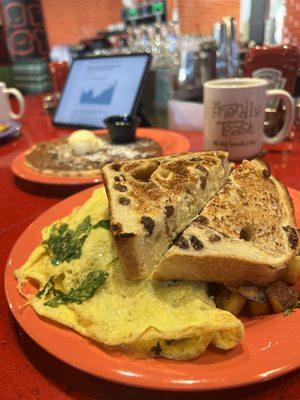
(175, 320)
(55, 157)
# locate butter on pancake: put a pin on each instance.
(84, 142)
(175, 320)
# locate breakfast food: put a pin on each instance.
(292, 274)
(84, 154)
(82, 286)
(84, 142)
(253, 300)
(152, 201)
(238, 254)
(4, 127)
(246, 234)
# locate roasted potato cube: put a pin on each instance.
(253, 293)
(257, 302)
(281, 296)
(230, 301)
(292, 274)
(256, 308)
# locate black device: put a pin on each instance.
(98, 87)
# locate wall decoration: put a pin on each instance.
(24, 29)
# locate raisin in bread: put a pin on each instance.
(245, 234)
(151, 201)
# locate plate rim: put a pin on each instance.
(113, 375)
(20, 170)
(15, 126)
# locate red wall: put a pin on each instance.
(199, 15)
(291, 30)
(69, 21)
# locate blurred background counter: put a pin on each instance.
(190, 42)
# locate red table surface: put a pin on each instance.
(27, 371)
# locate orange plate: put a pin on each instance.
(170, 142)
(270, 347)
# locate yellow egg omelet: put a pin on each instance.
(176, 320)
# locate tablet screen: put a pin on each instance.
(100, 87)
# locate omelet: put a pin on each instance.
(83, 287)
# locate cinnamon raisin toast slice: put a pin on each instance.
(151, 201)
(245, 234)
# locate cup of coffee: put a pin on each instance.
(234, 114)
(6, 113)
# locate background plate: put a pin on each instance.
(15, 126)
(170, 142)
(269, 349)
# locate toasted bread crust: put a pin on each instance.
(230, 271)
(153, 200)
(253, 219)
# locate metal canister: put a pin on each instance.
(208, 50)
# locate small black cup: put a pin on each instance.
(122, 128)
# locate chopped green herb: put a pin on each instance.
(78, 295)
(104, 223)
(62, 228)
(84, 226)
(65, 244)
(290, 310)
(48, 286)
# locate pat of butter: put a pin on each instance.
(84, 142)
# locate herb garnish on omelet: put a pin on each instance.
(65, 244)
(84, 291)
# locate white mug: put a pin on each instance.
(6, 113)
(234, 114)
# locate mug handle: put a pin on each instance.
(18, 95)
(289, 115)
